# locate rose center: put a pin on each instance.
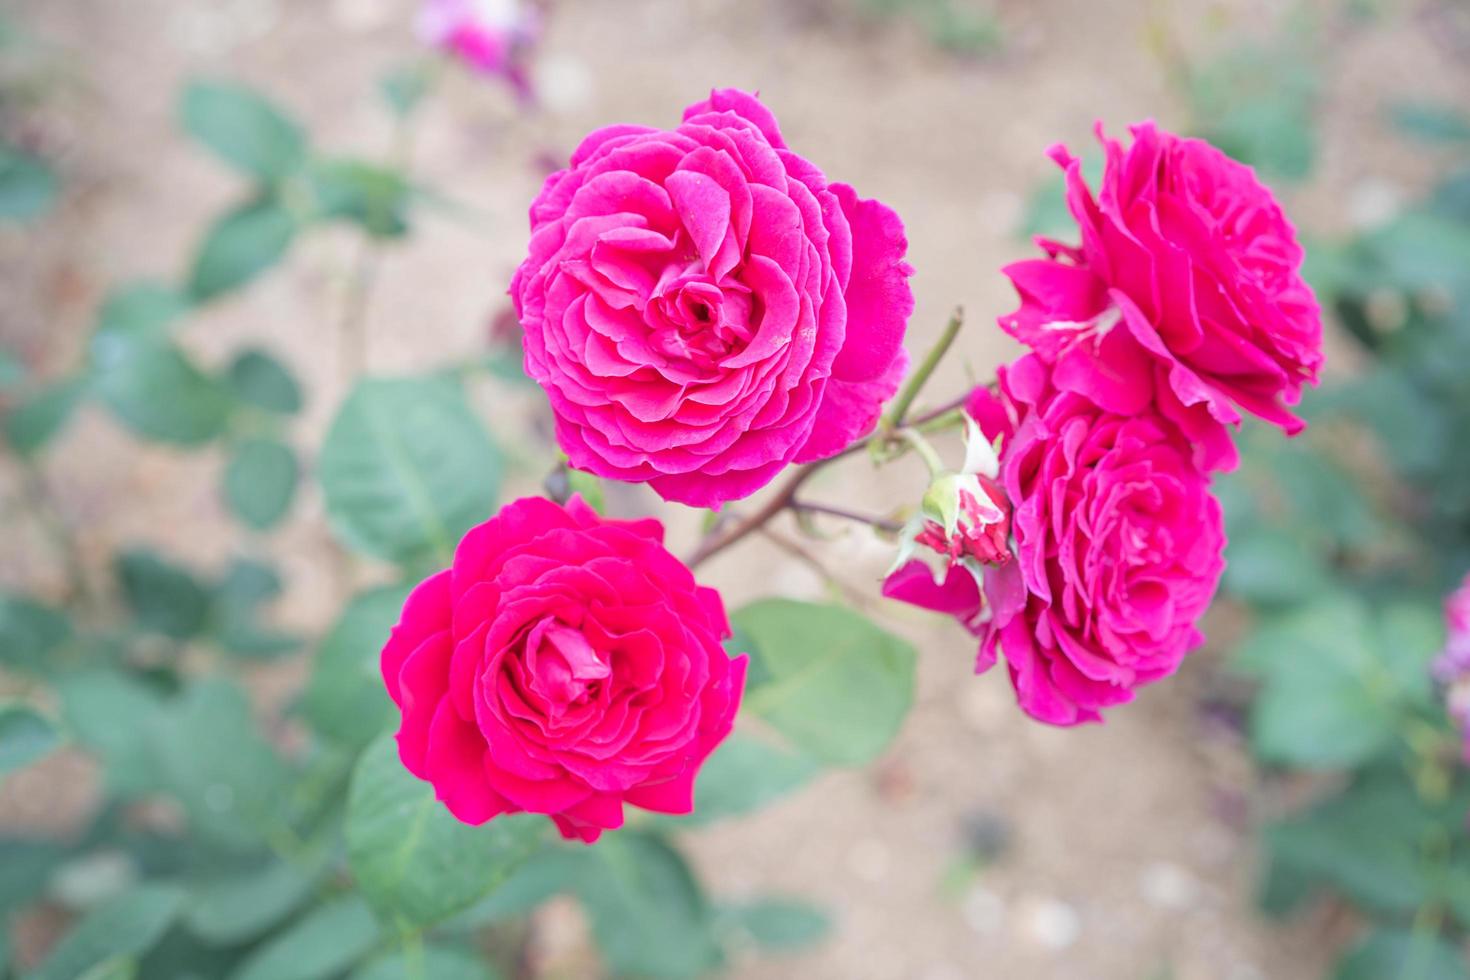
(691, 318)
(562, 667)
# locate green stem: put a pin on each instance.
(926, 452)
(898, 413)
(33, 485)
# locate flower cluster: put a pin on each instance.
(1183, 303)
(703, 309)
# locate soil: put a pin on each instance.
(983, 845)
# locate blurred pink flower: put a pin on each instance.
(490, 36)
(1452, 666)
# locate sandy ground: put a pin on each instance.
(1126, 848)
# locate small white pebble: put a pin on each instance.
(1167, 886)
(1051, 923)
(984, 910)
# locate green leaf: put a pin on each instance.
(116, 968)
(413, 860)
(29, 634)
(235, 908)
(648, 913)
(831, 682)
(123, 927)
(29, 863)
(1375, 842)
(345, 700)
(744, 774)
(109, 712)
(26, 736)
(158, 392)
(1391, 954)
(163, 596)
(435, 963)
(243, 128)
(1431, 123)
(28, 187)
(778, 923)
(554, 869)
(242, 244)
(373, 197)
(260, 481)
(259, 379)
(323, 944)
(144, 310)
(236, 627)
(1328, 700)
(33, 422)
(590, 487)
(407, 468)
(1271, 568)
(12, 370)
(217, 764)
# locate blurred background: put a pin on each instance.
(982, 844)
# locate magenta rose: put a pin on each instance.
(1118, 551)
(564, 664)
(1186, 290)
(703, 308)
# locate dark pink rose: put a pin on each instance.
(1186, 291)
(1118, 546)
(564, 664)
(703, 308)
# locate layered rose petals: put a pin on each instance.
(564, 664)
(1118, 547)
(1186, 291)
(703, 308)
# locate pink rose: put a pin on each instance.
(564, 664)
(1186, 291)
(490, 36)
(703, 308)
(1118, 551)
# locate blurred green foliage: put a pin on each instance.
(1345, 553)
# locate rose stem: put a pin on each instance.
(901, 405)
(877, 523)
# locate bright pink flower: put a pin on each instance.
(490, 36)
(1186, 291)
(1452, 666)
(703, 308)
(957, 594)
(1118, 551)
(564, 664)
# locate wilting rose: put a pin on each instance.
(703, 308)
(1117, 551)
(1186, 291)
(564, 664)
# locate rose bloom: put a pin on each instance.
(489, 36)
(1117, 549)
(703, 308)
(1186, 290)
(564, 664)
